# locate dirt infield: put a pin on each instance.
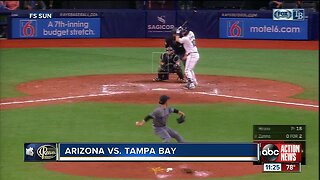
(155, 170)
(133, 88)
(137, 42)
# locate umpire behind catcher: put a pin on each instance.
(177, 47)
(160, 116)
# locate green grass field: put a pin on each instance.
(102, 122)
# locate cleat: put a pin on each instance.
(156, 80)
(189, 86)
(182, 80)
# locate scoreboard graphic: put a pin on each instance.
(282, 147)
(288, 14)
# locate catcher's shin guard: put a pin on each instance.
(178, 70)
(163, 76)
(163, 73)
(180, 74)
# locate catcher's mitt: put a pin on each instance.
(181, 119)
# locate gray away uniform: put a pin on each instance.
(160, 116)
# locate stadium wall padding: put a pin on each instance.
(130, 23)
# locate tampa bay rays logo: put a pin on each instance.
(235, 29)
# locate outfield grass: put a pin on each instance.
(106, 123)
(20, 65)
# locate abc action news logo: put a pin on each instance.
(281, 153)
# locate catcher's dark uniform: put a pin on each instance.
(169, 64)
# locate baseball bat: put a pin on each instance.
(189, 18)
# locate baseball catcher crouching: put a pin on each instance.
(169, 63)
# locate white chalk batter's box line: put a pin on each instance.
(152, 59)
(106, 88)
(62, 98)
(123, 92)
(257, 100)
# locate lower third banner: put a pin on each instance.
(236, 152)
(142, 152)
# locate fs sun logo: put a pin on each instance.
(235, 29)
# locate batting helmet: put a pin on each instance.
(184, 31)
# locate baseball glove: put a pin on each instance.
(181, 119)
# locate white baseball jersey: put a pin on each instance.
(189, 42)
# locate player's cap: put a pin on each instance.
(173, 31)
(163, 99)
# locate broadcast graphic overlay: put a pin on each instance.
(282, 147)
(236, 152)
(288, 14)
(40, 152)
(278, 148)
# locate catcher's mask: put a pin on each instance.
(163, 99)
(169, 50)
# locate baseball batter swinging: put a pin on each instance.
(189, 43)
(160, 116)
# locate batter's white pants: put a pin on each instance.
(192, 60)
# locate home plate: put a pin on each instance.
(159, 89)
